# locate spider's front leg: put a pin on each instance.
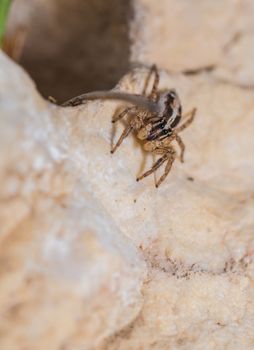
(124, 113)
(168, 154)
(156, 165)
(171, 156)
(124, 134)
(134, 124)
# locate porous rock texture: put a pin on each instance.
(184, 36)
(91, 259)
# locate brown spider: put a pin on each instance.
(154, 119)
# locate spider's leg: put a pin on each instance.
(181, 145)
(152, 69)
(171, 157)
(154, 92)
(188, 121)
(123, 113)
(156, 165)
(125, 133)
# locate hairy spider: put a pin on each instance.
(154, 119)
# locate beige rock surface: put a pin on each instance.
(91, 259)
(68, 277)
(70, 212)
(194, 35)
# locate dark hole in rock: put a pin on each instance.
(76, 46)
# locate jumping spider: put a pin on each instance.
(154, 119)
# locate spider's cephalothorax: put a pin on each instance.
(153, 118)
(160, 126)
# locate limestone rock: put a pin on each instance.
(91, 259)
(68, 276)
(71, 213)
(195, 35)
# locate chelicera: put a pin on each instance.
(154, 119)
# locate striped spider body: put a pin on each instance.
(159, 128)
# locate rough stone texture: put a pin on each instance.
(68, 276)
(90, 259)
(195, 35)
(69, 211)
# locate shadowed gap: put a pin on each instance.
(76, 46)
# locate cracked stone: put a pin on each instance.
(185, 36)
(91, 259)
(173, 263)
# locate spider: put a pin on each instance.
(154, 120)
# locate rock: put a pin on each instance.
(91, 259)
(68, 276)
(191, 36)
(67, 254)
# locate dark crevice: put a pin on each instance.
(200, 70)
(247, 87)
(76, 46)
